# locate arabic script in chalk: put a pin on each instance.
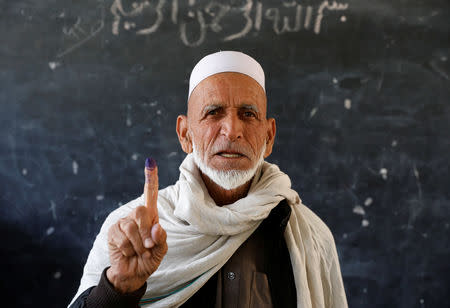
(195, 19)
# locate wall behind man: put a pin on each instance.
(359, 88)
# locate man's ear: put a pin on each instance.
(183, 134)
(270, 138)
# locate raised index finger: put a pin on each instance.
(151, 188)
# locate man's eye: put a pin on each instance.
(212, 112)
(249, 114)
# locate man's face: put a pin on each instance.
(227, 123)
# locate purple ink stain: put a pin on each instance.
(150, 163)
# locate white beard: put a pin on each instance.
(228, 179)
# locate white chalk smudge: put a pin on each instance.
(416, 172)
(53, 65)
(358, 209)
(343, 18)
(345, 235)
(128, 25)
(313, 112)
(394, 143)
(368, 201)
(24, 171)
(53, 209)
(158, 112)
(365, 290)
(335, 81)
(75, 167)
(57, 275)
(422, 301)
(172, 154)
(134, 156)
(100, 197)
(153, 104)
(129, 122)
(50, 231)
(120, 204)
(347, 103)
(365, 223)
(384, 172)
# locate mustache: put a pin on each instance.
(231, 147)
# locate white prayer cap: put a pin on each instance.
(226, 61)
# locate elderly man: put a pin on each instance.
(231, 232)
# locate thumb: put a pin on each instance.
(159, 237)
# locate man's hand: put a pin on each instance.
(137, 243)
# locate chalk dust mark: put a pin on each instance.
(75, 167)
(53, 65)
(50, 231)
(53, 209)
(359, 210)
(347, 103)
(383, 172)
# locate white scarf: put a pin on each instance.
(202, 236)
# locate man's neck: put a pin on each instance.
(223, 196)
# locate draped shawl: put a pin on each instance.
(202, 236)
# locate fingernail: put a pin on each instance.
(150, 163)
(148, 243)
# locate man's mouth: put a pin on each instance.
(230, 155)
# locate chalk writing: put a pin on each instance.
(194, 20)
(334, 6)
(82, 31)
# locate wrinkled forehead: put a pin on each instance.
(228, 88)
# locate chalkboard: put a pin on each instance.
(359, 88)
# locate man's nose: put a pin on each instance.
(232, 127)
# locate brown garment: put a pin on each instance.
(259, 274)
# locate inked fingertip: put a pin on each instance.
(150, 163)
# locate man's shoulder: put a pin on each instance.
(318, 228)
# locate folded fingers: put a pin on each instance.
(125, 236)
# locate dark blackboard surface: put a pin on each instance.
(361, 94)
